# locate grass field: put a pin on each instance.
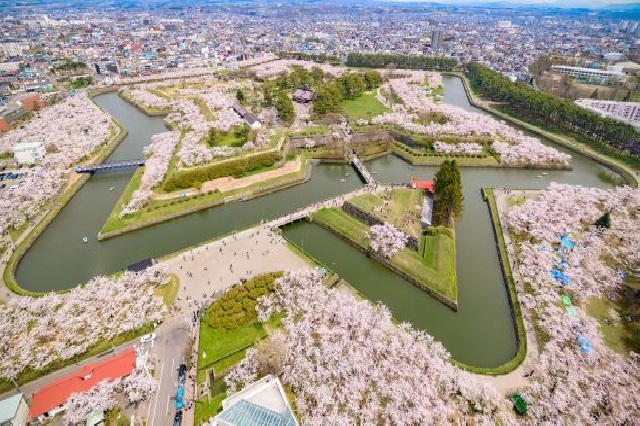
(319, 129)
(365, 106)
(169, 292)
(436, 271)
(403, 204)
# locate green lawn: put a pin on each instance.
(437, 273)
(365, 106)
(274, 139)
(404, 203)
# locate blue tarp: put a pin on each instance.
(560, 277)
(585, 345)
(566, 242)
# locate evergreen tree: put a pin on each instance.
(448, 198)
(239, 95)
(604, 221)
(284, 107)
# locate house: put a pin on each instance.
(303, 95)
(28, 152)
(427, 205)
(14, 410)
(50, 399)
(261, 403)
(249, 118)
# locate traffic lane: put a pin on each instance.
(169, 348)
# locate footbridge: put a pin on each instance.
(362, 169)
(110, 166)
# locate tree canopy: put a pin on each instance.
(547, 110)
(401, 61)
(447, 204)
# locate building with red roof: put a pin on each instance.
(427, 185)
(54, 395)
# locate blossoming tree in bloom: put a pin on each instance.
(513, 146)
(159, 151)
(348, 363)
(568, 386)
(137, 386)
(386, 239)
(35, 331)
(101, 397)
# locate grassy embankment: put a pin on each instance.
(434, 267)
(159, 210)
(516, 313)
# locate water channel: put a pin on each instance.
(481, 333)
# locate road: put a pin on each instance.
(169, 348)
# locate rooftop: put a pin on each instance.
(9, 407)
(57, 393)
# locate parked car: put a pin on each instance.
(148, 337)
(177, 419)
(180, 398)
(182, 374)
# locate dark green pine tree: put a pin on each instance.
(448, 199)
(604, 221)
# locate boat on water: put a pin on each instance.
(347, 174)
(343, 180)
(545, 173)
(539, 176)
(111, 189)
(85, 239)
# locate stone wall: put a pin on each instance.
(371, 220)
(301, 141)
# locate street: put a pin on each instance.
(169, 348)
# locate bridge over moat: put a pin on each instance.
(110, 166)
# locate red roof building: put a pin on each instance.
(427, 185)
(56, 393)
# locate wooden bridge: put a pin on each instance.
(110, 166)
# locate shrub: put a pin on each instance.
(237, 306)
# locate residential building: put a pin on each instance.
(590, 75)
(28, 152)
(13, 49)
(261, 403)
(14, 411)
(627, 112)
(50, 399)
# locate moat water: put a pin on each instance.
(481, 333)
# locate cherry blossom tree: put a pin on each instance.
(386, 239)
(36, 331)
(348, 363)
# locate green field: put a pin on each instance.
(403, 210)
(435, 270)
(365, 106)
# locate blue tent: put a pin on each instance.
(566, 242)
(560, 277)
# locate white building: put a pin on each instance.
(627, 112)
(13, 48)
(28, 152)
(14, 411)
(591, 75)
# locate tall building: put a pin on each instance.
(437, 37)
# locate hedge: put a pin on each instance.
(236, 167)
(237, 306)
